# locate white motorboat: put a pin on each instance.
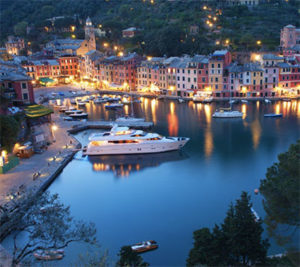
(232, 101)
(267, 101)
(144, 246)
(114, 106)
(227, 113)
(81, 104)
(122, 140)
(244, 101)
(208, 99)
(197, 99)
(70, 111)
(180, 100)
(78, 115)
(129, 119)
(126, 102)
(99, 101)
(63, 109)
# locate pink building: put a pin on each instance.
(289, 37)
(14, 45)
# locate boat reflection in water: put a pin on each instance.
(123, 165)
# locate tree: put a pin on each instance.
(129, 258)
(9, 129)
(281, 192)
(236, 242)
(20, 28)
(48, 225)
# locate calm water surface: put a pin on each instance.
(165, 197)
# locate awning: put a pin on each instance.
(36, 111)
(46, 80)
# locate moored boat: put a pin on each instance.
(114, 106)
(81, 103)
(49, 254)
(180, 100)
(122, 141)
(208, 99)
(273, 115)
(71, 111)
(129, 119)
(144, 246)
(227, 113)
(244, 101)
(267, 101)
(78, 115)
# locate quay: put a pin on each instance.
(107, 125)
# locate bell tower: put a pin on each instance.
(90, 34)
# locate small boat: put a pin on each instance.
(81, 103)
(126, 102)
(70, 111)
(255, 214)
(232, 101)
(129, 119)
(267, 101)
(144, 246)
(286, 99)
(244, 101)
(227, 113)
(67, 118)
(273, 115)
(99, 101)
(208, 99)
(180, 100)
(161, 97)
(63, 109)
(114, 106)
(73, 101)
(49, 255)
(78, 115)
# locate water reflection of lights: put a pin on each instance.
(256, 132)
(172, 107)
(123, 166)
(207, 110)
(172, 121)
(126, 109)
(244, 110)
(198, 107)
(257, 104)
(146, 103)
(277, 108)
(191, 104)
(153, 110)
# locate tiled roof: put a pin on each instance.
(130, 29)
(271, 57)
(220, 53)
(12, 75)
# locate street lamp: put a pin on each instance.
(54, 128)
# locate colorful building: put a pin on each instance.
(14, 45)
(69, 66)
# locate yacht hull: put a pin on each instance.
(172, 143)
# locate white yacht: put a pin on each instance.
(129, 119)
(227, 113)
(122, 140)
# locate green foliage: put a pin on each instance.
(48, 225)
(281, 192)
(129, 258)
(156, 19)
(235, 242)
(20, 28)
(9, 129)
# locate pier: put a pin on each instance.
(107, 125)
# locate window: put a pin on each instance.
(219, 65)
(189, 80)
(212, 65)
(25, 96)
(24, 85)
(189, 71)
(203, 80)
(183, 71)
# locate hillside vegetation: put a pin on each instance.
(164, 25)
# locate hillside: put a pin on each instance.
(164, 25)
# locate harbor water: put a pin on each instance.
(165, 197)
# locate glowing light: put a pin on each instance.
(257, 57)
(215, 18)
(217, 42)
(73, 36)
(227, 41)
(204, 7)
(73, 28)
(105, 44)
(256, 132)
(258, 42)
(100, 26)
(115, 47)
(244, 89)
(149, 58)
(120, 54)
(172, 88)
(244, 110)
(153, 109)
(54, 127)
(172, 107)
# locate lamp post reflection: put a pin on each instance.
(208, 136)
